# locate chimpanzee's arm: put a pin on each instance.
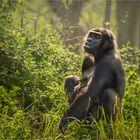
(120, 77)
(87, 66)
(101, 79)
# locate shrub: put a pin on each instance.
(31, 78)
(131, 61)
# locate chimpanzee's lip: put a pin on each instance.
(86, 46)
(88, 49)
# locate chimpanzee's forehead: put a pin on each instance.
(95, 32)
(100, 30)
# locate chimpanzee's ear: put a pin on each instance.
(110, 34)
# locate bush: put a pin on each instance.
(131, 61)
(32, 71)
(37, 64)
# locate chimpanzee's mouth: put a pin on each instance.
(87, 46)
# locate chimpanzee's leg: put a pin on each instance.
(78, 110)
(108, 100)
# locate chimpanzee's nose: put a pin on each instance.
(89, 40)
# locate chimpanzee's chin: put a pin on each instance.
(88, 49)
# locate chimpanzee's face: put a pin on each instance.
(93, 41)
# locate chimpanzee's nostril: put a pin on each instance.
(89, 40)
(86, 43)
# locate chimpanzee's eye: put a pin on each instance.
(91, 34)
(97, 36)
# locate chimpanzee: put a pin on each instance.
(106, 85)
